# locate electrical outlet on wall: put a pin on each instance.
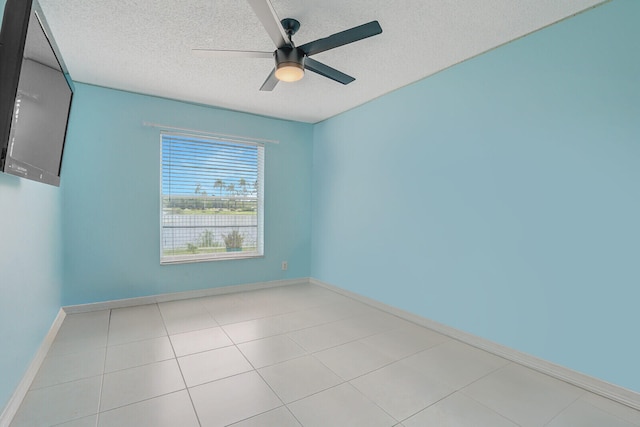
(285, 265)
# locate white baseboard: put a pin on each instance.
(23, 387)
(610, 391)
(174, 296)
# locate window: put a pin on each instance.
(211, 199)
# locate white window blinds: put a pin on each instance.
(212, 199)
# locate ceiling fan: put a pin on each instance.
(291, 60)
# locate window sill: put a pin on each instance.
(181, 259)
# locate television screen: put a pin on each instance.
(40, 110)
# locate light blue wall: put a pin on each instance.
(30, 272)
(111, 198)
(501, 196)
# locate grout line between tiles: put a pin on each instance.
(293, 415)
(562, 411)
(261, 317)
(608, 412)
(146, 399)
(355, 388)
(63, 382)
(266, 382)
(257, 372)
(389, 364)
(319, 391)
(500, 368)
(566, 407)
(175, 357)
(293, 329)
(261, 377)
(104, 366)
(140, 364)
(257, 415)
(430, 405)
(339, 344)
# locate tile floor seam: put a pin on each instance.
(307, 309)
(219, 379)
(375, 404)
(75, 419)
(263, 337)
(262, 378)
(407, 357)
(559, 414)
(317, 392)
(308, 395)
(138, 365)
(286, 332)
(461, 390)
(190, 330)
(135, 341)
(293, 415)
(199, 351)
(175, 357)
(353, 387)
(382, 366)
(566, 407)
(358, 376)
(259, 414)
(635, 424)
(277, 363)
(489, 408)
(64, 382)
(146, 399)
(400, 421)
(251, 319)
(487, 374)
(346, 342)
(429, 405)
(106, 350)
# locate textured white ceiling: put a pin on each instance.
(144, 46)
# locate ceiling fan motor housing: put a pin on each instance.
(289, 56)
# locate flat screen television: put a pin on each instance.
(35, 96)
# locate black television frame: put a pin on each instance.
(13, 37)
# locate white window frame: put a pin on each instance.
(258, 251)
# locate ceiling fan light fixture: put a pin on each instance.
(289, 72)
(289, 64)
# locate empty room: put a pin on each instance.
(302, 213)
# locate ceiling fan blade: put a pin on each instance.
(340, 39)
(271, 82)
(267, 15)
(216, 53)
(326, 71)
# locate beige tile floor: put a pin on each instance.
(288, 356)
